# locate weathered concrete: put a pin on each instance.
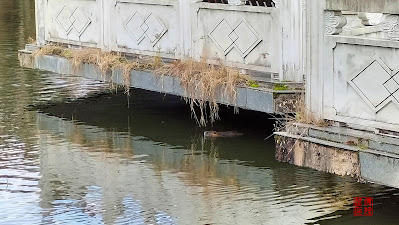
(341, 150)
(257, 99)
(320, 157)
(379, 169)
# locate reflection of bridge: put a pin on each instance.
(99, 170)
(348, 59)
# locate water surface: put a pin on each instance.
(83, 157)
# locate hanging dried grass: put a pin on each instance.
(202, 82)
(304, 115)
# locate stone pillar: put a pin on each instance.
(40, 22)
(334, 22)
(276, 3)
(108, 36)
(318, 52)
(292, 28)
(186, 11)
(370, 19)
(236, 2)
(390, 26)
(314, 41)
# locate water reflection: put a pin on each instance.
(183, 185)
(197, 181)
(81, 160)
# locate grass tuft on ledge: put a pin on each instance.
(106, 61)
(304, 115)
(203, 83)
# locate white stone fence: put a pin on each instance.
(242, 33)
(354, 77)
(346, 49)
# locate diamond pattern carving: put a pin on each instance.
(149, 27)
(242, 37)
(377, 84)
(74, 19)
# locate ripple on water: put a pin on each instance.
(54, 170)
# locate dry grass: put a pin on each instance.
(31, 40)
(301, 115)
(49, 50)
(202, 82)
(304, 115)
(106, 61)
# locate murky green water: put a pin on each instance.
(94, 161)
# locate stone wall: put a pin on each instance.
(250, 37)
(352, 70)
(316, 156)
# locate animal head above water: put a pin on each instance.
(211, 133)
(215, 134)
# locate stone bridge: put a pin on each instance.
(341, 53)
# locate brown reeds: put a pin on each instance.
(202, 82)
(304, 115)
(49, 50)
(106, 61)
(301, 115)
(31, 40)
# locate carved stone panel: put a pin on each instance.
(242, 37)
(376, 84)
(364, 84)
(72, 19)
(146, 28)
(75, 22)
(246, 38)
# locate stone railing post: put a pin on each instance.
(370, 19)
(40, 26)
(108, 36)
(292, 28)
(185, 15)
(334, 22)
(276, 3)
(236, 2)
(315, 20)
(390, 26)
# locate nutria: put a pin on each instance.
(215, 134)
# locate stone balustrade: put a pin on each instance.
(354, 75)
(346, 49)
(246, 34)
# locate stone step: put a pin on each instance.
(347, 136)
(31, 47)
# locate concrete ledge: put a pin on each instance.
(257, 99)
(317, 156)
(318, 149)
(344, 135)
(379, 169)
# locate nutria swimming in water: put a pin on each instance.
(215, 134)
